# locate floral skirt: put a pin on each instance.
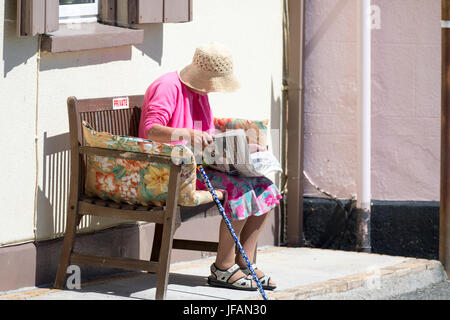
(245, 196)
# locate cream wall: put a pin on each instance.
(253, 35)
(405, 99)
(17, 127)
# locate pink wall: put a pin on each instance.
(405, 103)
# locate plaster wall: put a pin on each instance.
(405, 99)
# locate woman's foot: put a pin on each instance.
(232, 278)
(266, 281)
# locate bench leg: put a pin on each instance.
(157, 236)
(67, 247)
(167, 234)
(156, 247)
(168, 230)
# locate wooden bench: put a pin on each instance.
(102, 116)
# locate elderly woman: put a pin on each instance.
(176, 104)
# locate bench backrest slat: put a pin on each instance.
(102, 117)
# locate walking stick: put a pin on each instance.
(227, 221)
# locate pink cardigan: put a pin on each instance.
(169, 102)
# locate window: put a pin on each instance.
(48, 16)
(77, 11)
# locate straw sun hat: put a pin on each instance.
(211, 70)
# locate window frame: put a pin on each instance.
(79, 13)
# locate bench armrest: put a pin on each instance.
(129, 155)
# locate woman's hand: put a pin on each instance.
(252, 148)
(200, 138)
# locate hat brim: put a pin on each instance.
(194, 77)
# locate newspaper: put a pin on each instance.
(230, 153)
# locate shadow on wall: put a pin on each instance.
(275, 127)
(53, 196)
(16, 51)
(153, 42)
(275, 119)
(325, 25)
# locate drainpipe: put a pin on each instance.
(283, 120)
(296, 20)
(363, 243)
(444, 221)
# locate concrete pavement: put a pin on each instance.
(301, 273)
(437, 291)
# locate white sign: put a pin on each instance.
(121, 103)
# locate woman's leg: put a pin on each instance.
(249, 239)
(226, 249)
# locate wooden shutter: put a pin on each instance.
(126, 13)
(37, 17)
(131, 12)
(177, 10)
(145, 11)
(108, 11)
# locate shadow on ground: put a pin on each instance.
(135, 285)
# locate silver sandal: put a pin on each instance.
(222, 277)
(264, 280)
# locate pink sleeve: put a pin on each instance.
(211, 129)
(160, 106)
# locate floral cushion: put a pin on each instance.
(256, 130)
(138, 182)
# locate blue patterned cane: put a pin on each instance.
(227, 221)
